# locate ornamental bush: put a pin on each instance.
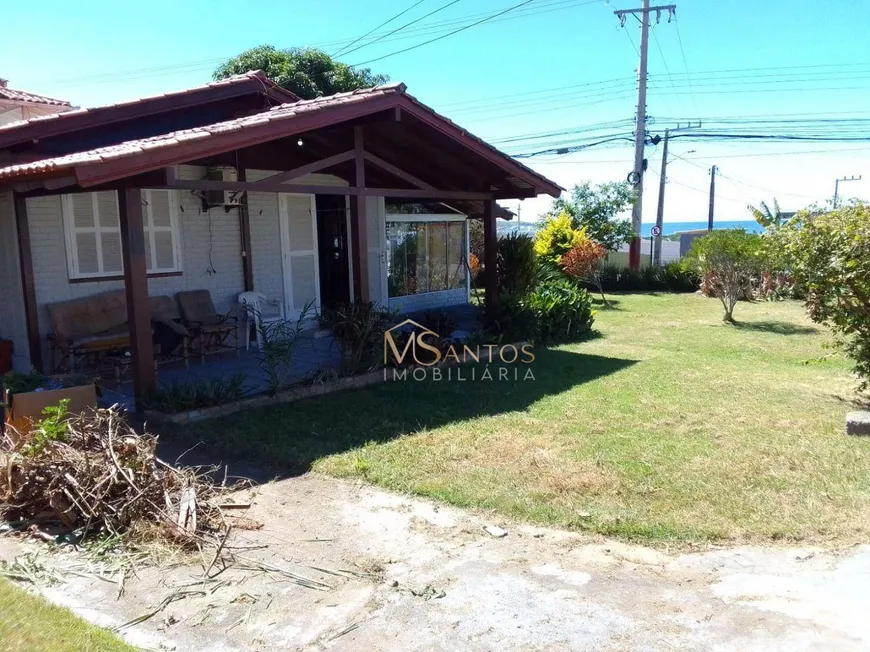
(676, 276)
(728, 259)
(556, 238)
(582, 260)
(563, 310)
(829, 255)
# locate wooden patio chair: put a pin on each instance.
(171, 337)
(209, 328)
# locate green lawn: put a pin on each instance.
(670, 426)
(30, 624)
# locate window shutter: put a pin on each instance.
(160, 209)
(93, 233)
(83, 211)
(107, 209)
(161, 231)
(86, 253)
(164, 255)
(111, 249)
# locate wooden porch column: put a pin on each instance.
(136, 288)
(245, 229)
(28, 288)
(358, 226)
(490, 254)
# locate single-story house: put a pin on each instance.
(235, 186)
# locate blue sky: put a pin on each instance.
(537, 69)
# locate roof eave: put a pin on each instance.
(62, 124)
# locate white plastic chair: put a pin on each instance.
(257, 307)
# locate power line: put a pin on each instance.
(571, 105)
(438, 38)
(492, 98)
(773, 192)
(703, 192)
(383, 24)
(546, 6)
(399, 29)
(701, 158)
(685, 62)
(665, 63)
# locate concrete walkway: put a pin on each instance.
(404, 574)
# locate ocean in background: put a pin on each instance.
(675, 227)
(669, 227)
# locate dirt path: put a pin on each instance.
(406, 574)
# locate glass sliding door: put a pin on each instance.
(425, 256)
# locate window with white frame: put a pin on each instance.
(93, 233)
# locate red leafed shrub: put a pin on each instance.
(474, 263)
(581, 261)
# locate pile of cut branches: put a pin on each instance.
(94, 473)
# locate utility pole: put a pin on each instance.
(636, 176)
(837, 187)
(660, 214)
(713, 172)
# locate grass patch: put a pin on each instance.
(29, 623)
(672, 426)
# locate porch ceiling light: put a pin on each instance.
(299, 142)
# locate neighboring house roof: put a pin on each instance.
(54, 124)
(106, 164)
(13, 95)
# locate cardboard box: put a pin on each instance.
(26, 407)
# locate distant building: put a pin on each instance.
(18, 105)
(687, 238)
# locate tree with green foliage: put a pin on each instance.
(596, 208)
(307, 72)
(557, 237)
(728, 259)
(829, 254)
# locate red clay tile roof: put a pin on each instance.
(259, 76)
(32, 98)
(137, 148)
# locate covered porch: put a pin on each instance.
(349, 154)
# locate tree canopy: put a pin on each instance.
(307, 72)
(595, 209)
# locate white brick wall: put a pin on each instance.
(215, 232)
(265, 232)
(429, 300)
(12, 323)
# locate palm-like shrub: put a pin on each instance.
(516, 266)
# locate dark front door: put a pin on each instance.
(333, 250)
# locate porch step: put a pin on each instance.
(315, 333)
